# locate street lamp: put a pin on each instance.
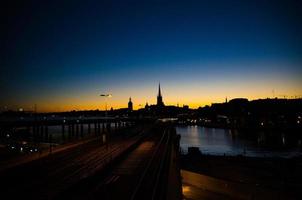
(104, 135)
(106, 95)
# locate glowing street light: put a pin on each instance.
(104, 135)
(106, 95)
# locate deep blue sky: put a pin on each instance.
(61, 55)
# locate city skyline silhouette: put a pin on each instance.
(60, 56)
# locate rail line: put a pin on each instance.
(44, 178)
(152, 174)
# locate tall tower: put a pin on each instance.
(130, 105)
(159, 97)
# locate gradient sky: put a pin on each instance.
(61, 56)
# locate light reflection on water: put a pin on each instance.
(218, 141)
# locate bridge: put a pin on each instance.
(141, 163)
(37, 127)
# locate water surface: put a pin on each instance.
(216, 141)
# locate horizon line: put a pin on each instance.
(143, 107)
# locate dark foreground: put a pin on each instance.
(137, 165)
(222, 177)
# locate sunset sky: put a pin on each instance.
(61, 56)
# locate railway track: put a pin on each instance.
(151, 182)
(42, 179)
(141, 174)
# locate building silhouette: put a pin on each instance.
(130, 105)
(160, 102)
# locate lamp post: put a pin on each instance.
(104, 135)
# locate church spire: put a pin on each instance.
(159, 97)
(159, 92)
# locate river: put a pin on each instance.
(217, 141)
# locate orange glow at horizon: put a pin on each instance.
(100, 104)
(196, 92)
